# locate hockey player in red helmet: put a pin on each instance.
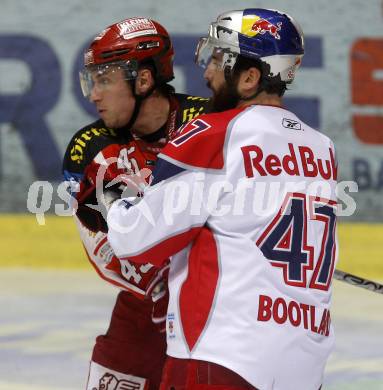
(128, 47)
(126, 74)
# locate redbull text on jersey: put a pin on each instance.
(255, 160)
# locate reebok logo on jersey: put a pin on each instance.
(291, 124)
(300, 161)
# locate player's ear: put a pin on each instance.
(144, 81)
(248, 81)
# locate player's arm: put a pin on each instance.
(160, 225)
(176, 206)
(123, 274)
(83, 173)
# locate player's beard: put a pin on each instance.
(225, 98)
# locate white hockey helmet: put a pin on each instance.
(268, 35)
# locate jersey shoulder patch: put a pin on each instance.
(190, 107)
(201, 142)
(85, 145)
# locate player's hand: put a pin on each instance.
(160, 297)
(158, 292)
(105, 179)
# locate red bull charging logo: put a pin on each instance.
(262, 26)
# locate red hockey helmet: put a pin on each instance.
(128, 44)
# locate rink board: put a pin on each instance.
(56, 245)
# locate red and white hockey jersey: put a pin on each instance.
(244, 203)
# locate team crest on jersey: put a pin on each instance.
(110, 382)
(170, 331)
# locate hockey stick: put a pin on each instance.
(358, 281)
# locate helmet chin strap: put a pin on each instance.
(138, 99)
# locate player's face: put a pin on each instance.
(214, 74)
(225, 96)
(113, 97)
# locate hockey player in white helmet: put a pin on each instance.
(236, 207)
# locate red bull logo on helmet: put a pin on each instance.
(262, 26)
(254, 25)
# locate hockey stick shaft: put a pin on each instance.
(358, 281)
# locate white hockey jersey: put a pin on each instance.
(244, 203)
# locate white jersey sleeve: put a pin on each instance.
(138, 279)
(161, 220)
